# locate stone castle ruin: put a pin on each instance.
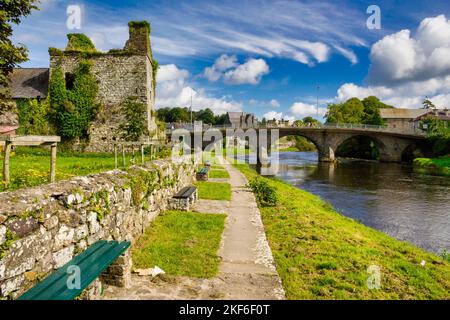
(120, 73)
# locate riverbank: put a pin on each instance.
(321, 254)
(435, 166)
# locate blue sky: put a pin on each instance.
(268, 57)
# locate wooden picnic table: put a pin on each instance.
(9, 141)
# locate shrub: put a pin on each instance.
(34, 117)
(79, 42)
(264, 193)
(134, 125)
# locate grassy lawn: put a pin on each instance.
(219, 174)
(433, 165)
(217, 167)
(320, 254)
(31, 166)
(290, 149)
(181, 243)
(214, 190)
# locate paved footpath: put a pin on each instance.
(247, 269)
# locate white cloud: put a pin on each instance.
(278, 116)
(273, 115)
(173, 90)
(349, 54)
(403, 57)
(170, 72)
(301, 110)
(223, 63)
(274, 103)
(250, 72)
(227, 68)
(406, 68)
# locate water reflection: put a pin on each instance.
(389, 197)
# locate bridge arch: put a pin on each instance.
(360, 146)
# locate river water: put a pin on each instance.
(388, 197)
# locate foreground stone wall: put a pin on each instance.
(42, 228)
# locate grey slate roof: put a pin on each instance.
(29, 82)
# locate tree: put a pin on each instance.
(11, 12)
(310, 120)
(372, 107)
(205, 115)
(134, 126)
(354, 110)
(351, 111)
(427, 104)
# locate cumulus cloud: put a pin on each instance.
(250, 72)
(278, 116)
(273, 115)
(223, 63)
(301, 110)
(227, 68)
(407, 67)
(173, 90)
(404, 57)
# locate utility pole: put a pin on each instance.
(192, 123)
(318, 87)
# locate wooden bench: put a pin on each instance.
(184, 198)
(91, 263)
(202, 175)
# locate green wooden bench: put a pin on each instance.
(204, 170)
(202, 174)
(91, 262)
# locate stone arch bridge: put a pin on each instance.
(392, 144)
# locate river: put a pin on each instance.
(388, 197)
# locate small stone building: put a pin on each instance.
(121, 74)
(410, 119)
(24, 83)
(240, 120)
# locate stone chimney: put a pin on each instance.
(139, 39)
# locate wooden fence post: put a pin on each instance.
(123, 155)
(116, 164)
(6, 162)
(53, 162)
(142, 154)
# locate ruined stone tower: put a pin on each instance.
(121, 74)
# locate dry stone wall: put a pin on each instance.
(43, 228)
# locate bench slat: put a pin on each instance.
(186, 192)
(92, 262)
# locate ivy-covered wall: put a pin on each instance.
(42, 228)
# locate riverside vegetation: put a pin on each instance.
(321, 254)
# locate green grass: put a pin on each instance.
(217, 167)
(290, 149)
(214, 190)
(31, 166)
(440, 166)
(320, 254)
(219, 174)
(181, 243)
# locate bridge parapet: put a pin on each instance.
(343, 126)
